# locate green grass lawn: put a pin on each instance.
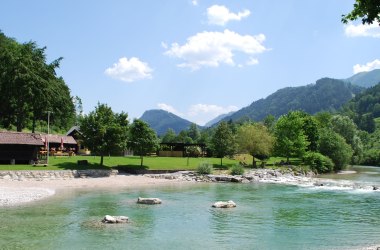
(150, 162)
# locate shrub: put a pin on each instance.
(205, 168)
(318, 162)
(237, 170)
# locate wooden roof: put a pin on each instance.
(57, 139)
(20, 138)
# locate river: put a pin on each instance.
(344, 213)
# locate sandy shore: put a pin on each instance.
(19, 192)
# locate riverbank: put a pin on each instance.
(17, 192)
(19, 187)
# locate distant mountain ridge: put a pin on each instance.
(161, 121)
(326, 94)
(218, 118)
(365, 79)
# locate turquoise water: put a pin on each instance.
(267, 216)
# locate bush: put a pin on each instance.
(205, 168)
(237, 170)
(318, 162)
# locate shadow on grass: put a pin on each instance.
(75, 166)
(223, 167)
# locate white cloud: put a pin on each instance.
(199, 113)
(194, 2)
(375, 64)
(221, 15)
(129, 70)
(212, 48)
(169, 108)
(372, 30)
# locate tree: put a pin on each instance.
(335, 147)
(223, 142)
(290, 137)
(194, 133)
(104, 132)
(344, 126)
(311, 130)
(142, 139)
(367, 10)
(169, 136)
(255, 140)
(29, 87)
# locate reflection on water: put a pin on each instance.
(267, 216)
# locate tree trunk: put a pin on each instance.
(142, 160)
(253, 162)
(34, 125)
(101, 160)
(221, 161)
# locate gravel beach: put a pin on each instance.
(19, 192)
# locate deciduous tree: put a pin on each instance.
(142, 139)
(223, 142)
(104, 132)
(255, 140)
(290, 137)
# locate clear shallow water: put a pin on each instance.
(268, 216)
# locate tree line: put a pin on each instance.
(30, 87)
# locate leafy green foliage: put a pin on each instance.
(367, 10)
(205, 168)
(104, 132)
(223, 141)
(142, 139)
(237, 169)
(29, 87)
(255, 140)
(290, 137)
(364, 108)
(335, 147)
(318, 162)
(344, 126)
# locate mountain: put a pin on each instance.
(365, 79)
(161, 121)
(364, 108)
(326, 94)
(218, 118)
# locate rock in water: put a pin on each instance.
(115, 219)
(224, 204)
(149, 201)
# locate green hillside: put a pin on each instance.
(326, 94)
(161, 121)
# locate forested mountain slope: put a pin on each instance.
(161, 121)
(365, 79)
(326, 94)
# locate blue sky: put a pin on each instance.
(197, 59)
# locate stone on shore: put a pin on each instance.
(224, 204)
(149, 201)
(115, 219)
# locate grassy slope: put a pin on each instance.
(153, 163)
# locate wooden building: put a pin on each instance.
(182, 150)
(19, 148)
(60, 144)
(77, 135)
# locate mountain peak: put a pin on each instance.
(161, 120)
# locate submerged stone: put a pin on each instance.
(224, 204)
(115, 219)
(149, 201)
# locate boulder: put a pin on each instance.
(115, 219)
(224, 204)
(149, 201)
